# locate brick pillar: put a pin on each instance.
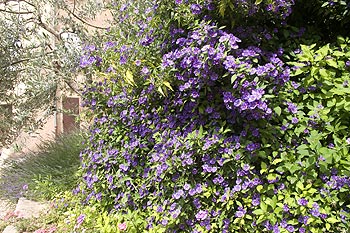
(70, 112)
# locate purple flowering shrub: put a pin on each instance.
(198, 130)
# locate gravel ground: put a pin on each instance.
(5, 205)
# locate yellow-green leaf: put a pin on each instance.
(129, 77)
(332, 220)
(167, 84)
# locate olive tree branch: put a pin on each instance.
(16, 12)
(85, 22)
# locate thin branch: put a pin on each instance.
(24, 60)
(25, 1)
(49, 29)
(73, 88)
(85, 22)
(74, 4)
(16, 12)
(15, 63)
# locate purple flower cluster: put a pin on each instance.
(89, 58)
(209, 47)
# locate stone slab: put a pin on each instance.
(27, 209)
(10, 229)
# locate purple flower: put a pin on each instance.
(196, 9)
(192, 192)
(176, 213)
(276, 228)
(80, 219)
(109, 45)
(302, 202)
(295, 85)
(256, 95)
(197, 203)
(348, 140)
(123, 167)
(87, 60)
(290, 228)
(284, 223)
(303, 219)
(123, 59)
(145, 70)
(237, 102)
(229, 62)
(295, 120)
(176, 196)
(123, 7)
(292, 108)
(268, 225)
(246, 167)
(89, 48)
(187, 187)
(256, 199)
(240, 212)
(202, 215)
(137, 62)
(164, 222)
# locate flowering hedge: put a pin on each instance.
(203, 128)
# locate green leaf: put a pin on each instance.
(332, 220)
(263, 206)
(160, 90)
(129, 78)
(271, 176)
(276, 161)
(167, 84)
(263, 167)
(324, 74)
(278, 110)
(338, 54)
(300, 185)
(293, 168)
(332, 63)
(259, 188)
(273, 202)
(233, 78)
(258, 212)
